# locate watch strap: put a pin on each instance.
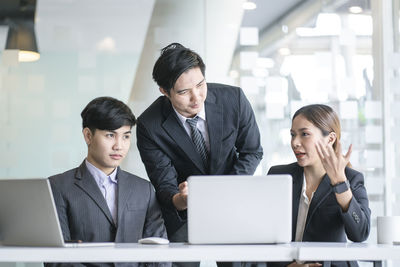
(341, 187)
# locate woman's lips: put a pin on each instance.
(299, 155)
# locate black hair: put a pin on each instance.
(107, 113)
(174, 60)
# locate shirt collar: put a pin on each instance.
(201, 115)
(99, 176)
(303, 191)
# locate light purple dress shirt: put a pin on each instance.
(108, 186)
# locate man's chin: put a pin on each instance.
(190, 114)
(194, 111)
(114, 164)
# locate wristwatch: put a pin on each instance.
(341, 187)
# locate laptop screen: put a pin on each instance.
(239, 209)
(28, 216)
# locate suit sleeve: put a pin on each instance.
(274, 170)
(154, 223)
(357, 218)
(158, 165)
(247, 144)
(154, 226)
(62, 216)
(61, 210)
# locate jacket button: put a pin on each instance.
(355, 216)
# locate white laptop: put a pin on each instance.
(28, 216)
(239, 209)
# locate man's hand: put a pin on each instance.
(180, 199)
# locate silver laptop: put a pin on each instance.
(239, 209)
(28, 216)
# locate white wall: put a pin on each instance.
(88, 49)
(199, 25)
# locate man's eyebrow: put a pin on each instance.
(181, 90)
(113, 131)
(200, 82)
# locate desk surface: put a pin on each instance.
(308, 251)
(132, 252)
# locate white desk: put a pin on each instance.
(347, 252)
(184, 252)
(151, 253)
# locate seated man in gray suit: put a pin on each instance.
(98, 201)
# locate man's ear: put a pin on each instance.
(87, 134)
(164, 92)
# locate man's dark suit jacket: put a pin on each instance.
(170, 156)
(84, 214)
(326, 222)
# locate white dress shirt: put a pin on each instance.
(304, 205)
(108, 186)
(201, 125)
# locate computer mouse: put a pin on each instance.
(154, 240)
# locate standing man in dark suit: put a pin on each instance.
(99, 202)
(195, 128)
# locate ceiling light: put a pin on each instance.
(107, 44)
(21, 37)
(355, 9)
(248, 5)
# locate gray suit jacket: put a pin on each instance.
(326, 222)
(170, 156)
(84, 214)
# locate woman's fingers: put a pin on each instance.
(348, 154)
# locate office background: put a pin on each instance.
(284, 54)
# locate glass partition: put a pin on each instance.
(327, 59)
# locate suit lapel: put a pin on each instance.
(124, 192)
(297, 188)
(85, 181)
(214, 117)
(175, 130)
(323, 191)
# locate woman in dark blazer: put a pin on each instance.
(330, 201)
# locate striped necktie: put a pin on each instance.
(198, 140)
